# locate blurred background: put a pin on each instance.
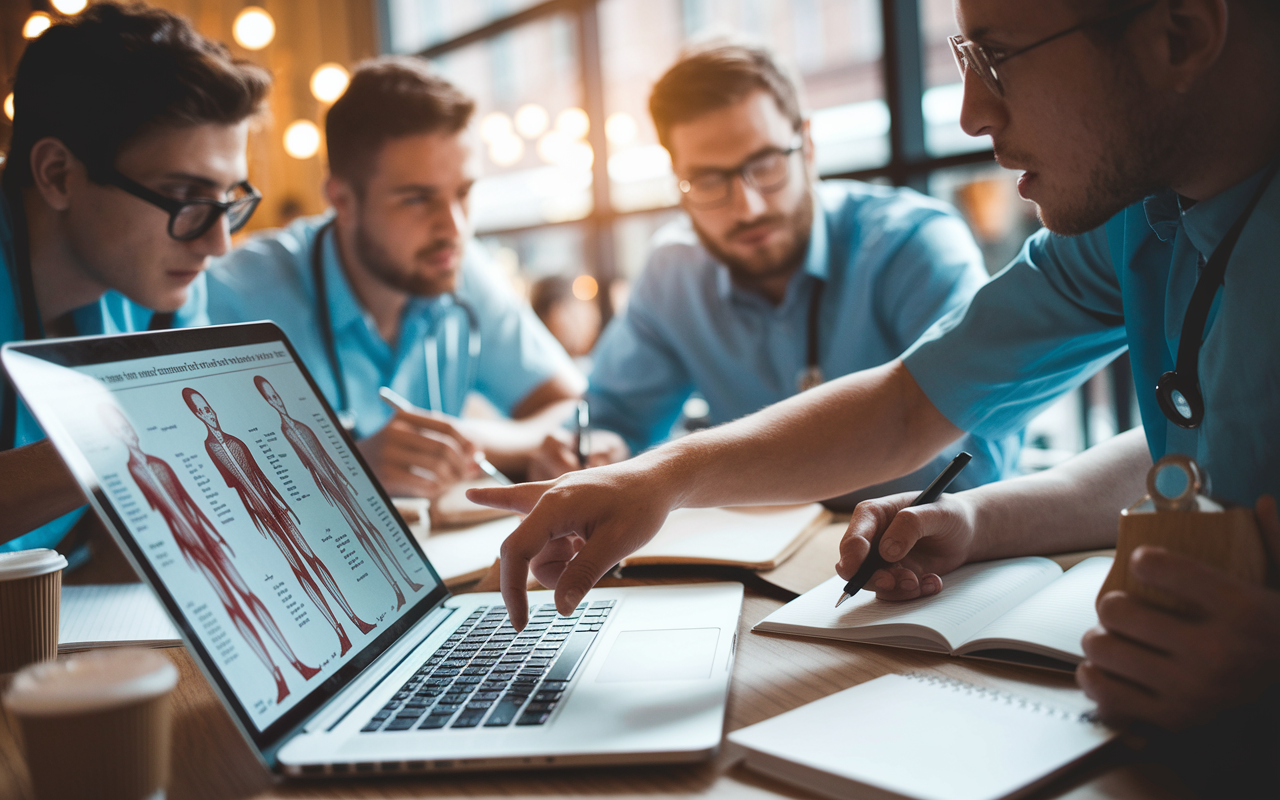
(574, 181)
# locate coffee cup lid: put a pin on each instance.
(91, 681)
(30, 563)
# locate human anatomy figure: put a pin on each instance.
(272, 516)
(204, 548)
(336, 488)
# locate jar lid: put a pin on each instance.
(30, 563)
(91, 681)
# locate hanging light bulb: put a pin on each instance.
(328, 82)
(495, 126)
(585, 287)
(506, 150)
(8, 106)
(36, 24)
(254, 28)
(69, 7)
(620, 128)
(302, 139)
(574, 123)
(531, 120)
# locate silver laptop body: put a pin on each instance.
(215, 461)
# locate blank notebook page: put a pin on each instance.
(113, 614)
(926, 737)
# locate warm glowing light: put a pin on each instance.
(556, 148)
(254, 28)
(8, 106)
(495, 126)
(531, 120)
(574, 123)
(36, 24)
(620, 128)
(302, 139)
(507, 150)
(585, 287)
(70, 7)
(328, 82)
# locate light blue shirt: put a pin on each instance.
(1067, 306)
(113, 313)
(270, 277)
(893, 261)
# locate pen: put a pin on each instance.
(584, 433)
(874, 560)
(393, 399)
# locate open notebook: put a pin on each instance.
(113, 615)
(921, 736)
(1021, 610)
(751, 537)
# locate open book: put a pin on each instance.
(751, 537)
(1021, 610)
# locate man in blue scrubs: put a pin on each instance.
(390, 289)
(1145, 130)
(125, 174)
(773, 282)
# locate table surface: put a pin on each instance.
(772, 674)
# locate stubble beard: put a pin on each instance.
(751, 273)
(404, 278)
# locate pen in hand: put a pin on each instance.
(584, 433)
(395, 400)
(874, 560)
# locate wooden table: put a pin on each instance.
(772, 674)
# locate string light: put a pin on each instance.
(8, 106)
(70, 7)
(328, 82)
(506, 150)
(531, 120)
(302, 139)
(585, 287)
(36, 24)
(620, 128)
(574, 123)
(254, 28)
(495, 126)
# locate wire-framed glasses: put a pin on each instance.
(986, 61)
(191, 219)
(767, 172)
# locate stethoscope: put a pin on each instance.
(1178, 391)
(435, 391)
(811, 375)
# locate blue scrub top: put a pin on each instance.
(113, 313)
(893, 261)
(270, 277)
(1066, 306)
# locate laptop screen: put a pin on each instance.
(238, 493)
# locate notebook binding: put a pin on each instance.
(996, 696)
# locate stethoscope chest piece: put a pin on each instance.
(1182, 405)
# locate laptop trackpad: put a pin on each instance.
(664, 655)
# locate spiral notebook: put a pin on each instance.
(923, 737)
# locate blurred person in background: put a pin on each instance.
(391, 289)
(774, 282)
(573, 321)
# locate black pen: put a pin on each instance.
(874, 560)
(584, 433)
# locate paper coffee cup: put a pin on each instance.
(96, 724)
(30, 593)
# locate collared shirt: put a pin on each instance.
(892, 261)
(1067, 306)
(113, 313)
(270, 277)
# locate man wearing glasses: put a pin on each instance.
(774, 282)
(125, 174)
(1147, 133)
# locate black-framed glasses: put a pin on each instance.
(191, 219)
(766, 172)
(985, 60)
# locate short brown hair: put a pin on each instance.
(389, 97)
(97, 80)
(718, 74)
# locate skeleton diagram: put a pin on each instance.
(204, 548)
(272, 516)
(336, 489)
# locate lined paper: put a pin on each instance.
(113, 615)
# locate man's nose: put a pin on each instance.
(982, 113)
(746, 199)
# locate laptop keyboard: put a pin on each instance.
(486, 674)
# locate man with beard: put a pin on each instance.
(1148, 135)
(391, 290)
(773, 282)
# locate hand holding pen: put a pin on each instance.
(916, 555)
(395, 400)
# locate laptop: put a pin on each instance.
(214, 460)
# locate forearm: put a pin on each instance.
(1073, 506)
(35, 488)
(509, 443)
(853, 432)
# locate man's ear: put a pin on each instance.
(1193, 35)
(343, 197)
(56, 172)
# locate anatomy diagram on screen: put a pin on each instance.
(204, 548)
(336, 489)
(272, 515)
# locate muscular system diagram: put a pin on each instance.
(204, 548)
(336, 489)
(272, 515)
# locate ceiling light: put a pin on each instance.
(531, 120)
(254, 28)
(620, 128)
(36, 24)
(302, 139)
(573, 122)
(328, 82)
